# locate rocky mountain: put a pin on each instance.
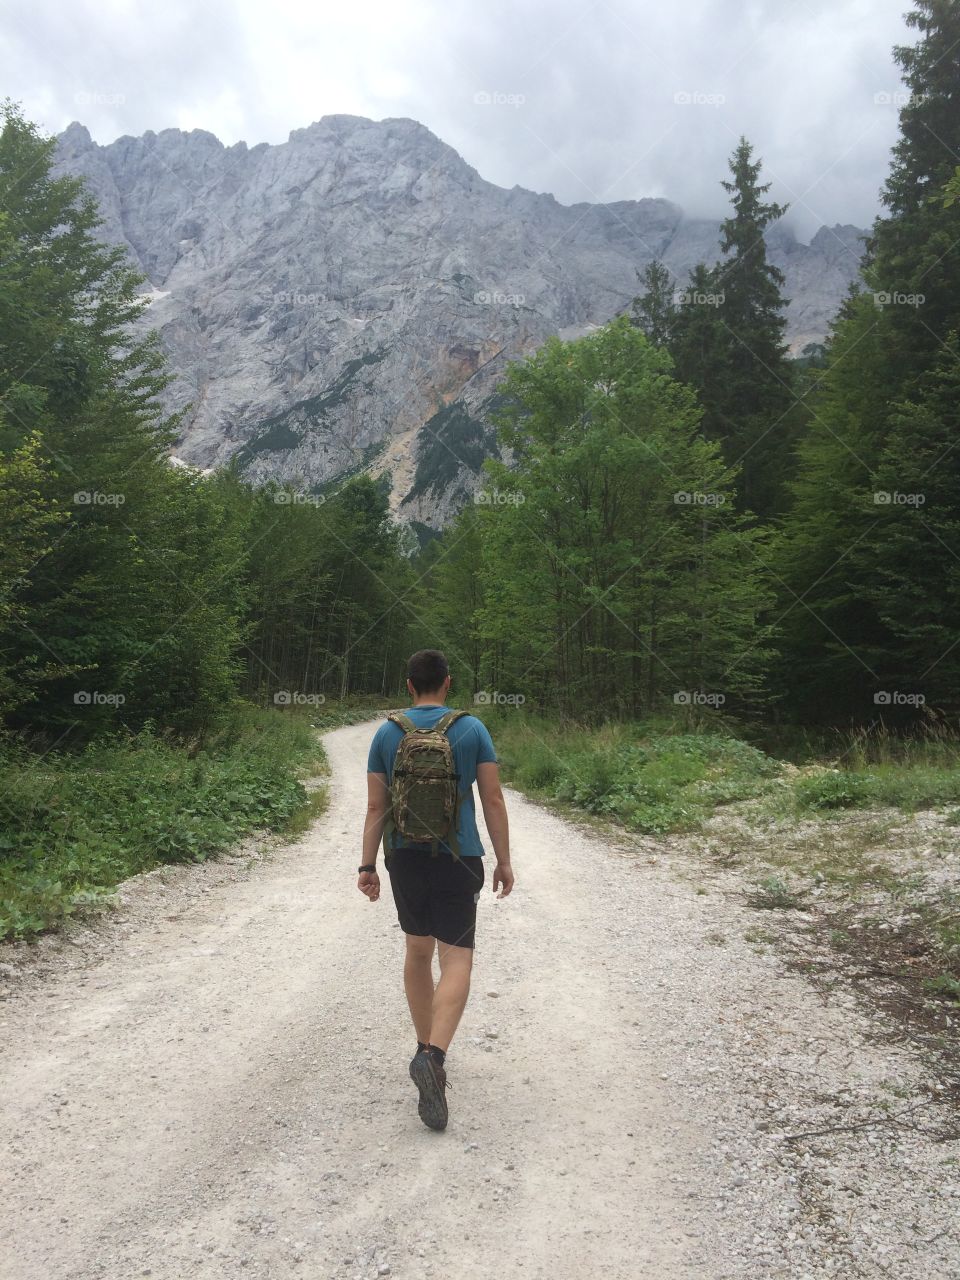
(348, 300)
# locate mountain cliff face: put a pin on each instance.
(349, 299)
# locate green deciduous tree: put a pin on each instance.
(28, 526)
(615, 571)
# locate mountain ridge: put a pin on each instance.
(325, 301)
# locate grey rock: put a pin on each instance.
(349, 299)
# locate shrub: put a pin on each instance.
(74, 826)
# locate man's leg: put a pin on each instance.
(418, 982)
(450, 997)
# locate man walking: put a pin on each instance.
(436, 878)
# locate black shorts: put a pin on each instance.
(436, 896)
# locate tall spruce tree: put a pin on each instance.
(847, 586)
(135, 591)
(912, 255)
(909, 571)
(727, 342)
(654, 310)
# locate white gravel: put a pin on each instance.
(211, 1082)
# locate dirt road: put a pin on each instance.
(213, 1083)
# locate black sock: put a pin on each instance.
(420, 1046)
(436, 1054)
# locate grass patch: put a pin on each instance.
(875, 768)
(774, 894)
(908, 785)
(944, 985)
(353, 709)
(73, 826)
(653, 777)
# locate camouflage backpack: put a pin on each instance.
(424, 791)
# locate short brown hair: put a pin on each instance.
(427, 669)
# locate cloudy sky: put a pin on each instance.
(589, 99)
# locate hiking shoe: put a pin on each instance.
(431, 1079)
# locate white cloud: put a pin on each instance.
(581, 96)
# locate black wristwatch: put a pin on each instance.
(369, 866)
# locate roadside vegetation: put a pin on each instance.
(73, 825)
(847, 846)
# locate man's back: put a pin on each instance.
(471, 745)
(435, 893)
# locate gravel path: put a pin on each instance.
(211, 1082)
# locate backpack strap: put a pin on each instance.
(447, 719)
(452, 840)
(402, 720)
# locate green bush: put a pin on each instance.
(836, 789)
(73, 826)
(652, 777)
(909, 785)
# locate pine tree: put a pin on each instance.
(909, 573)
(131, 611)
(728, 343)
(654, 310)
(913, 267)
(840, 642)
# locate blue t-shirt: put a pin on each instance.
(471, 744)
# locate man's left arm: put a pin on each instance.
(378, 803)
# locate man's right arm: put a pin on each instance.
(495, 816)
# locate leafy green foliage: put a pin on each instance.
(73, 826)
(614, 571)
(653, 777)
(27, 526)
(907, 785)
(326, 608)
(945, 985)
(836, 789)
